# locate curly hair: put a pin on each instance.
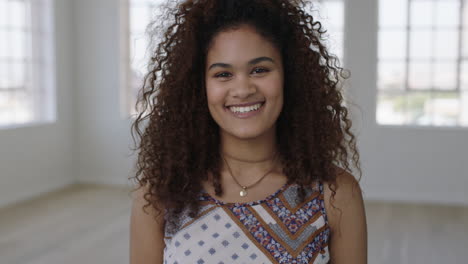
(180, 144)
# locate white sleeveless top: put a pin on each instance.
(273, 230)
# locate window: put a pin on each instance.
(137, 14)
(423, 62)
(331, 14)
(27, 92)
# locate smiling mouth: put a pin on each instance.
(245, 109)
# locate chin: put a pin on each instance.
(245, 134)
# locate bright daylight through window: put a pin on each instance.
(27, 91)
(423, 62)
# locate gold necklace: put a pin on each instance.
(244, 192)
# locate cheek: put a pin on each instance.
(276, 88)
(214, 95)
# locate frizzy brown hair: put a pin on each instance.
(180, 144)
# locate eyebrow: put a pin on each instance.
(251, 62)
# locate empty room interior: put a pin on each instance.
(70, 72)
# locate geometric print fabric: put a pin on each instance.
(212, 239)
(273, 230)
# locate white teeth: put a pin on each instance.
(245, 109)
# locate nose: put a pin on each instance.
(243, 88)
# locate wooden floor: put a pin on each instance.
(89, 224)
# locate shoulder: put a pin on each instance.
(146, 230)
(347, 189)
(144, 211)
(347, 199)
(347, 219)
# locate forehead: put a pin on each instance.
(240, 45)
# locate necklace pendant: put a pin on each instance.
(243, 192)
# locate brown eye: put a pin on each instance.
(222, 75)
(260, 70)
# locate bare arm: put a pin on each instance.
(348, 242)
(146, 233)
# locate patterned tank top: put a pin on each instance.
(276, 229)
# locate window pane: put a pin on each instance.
(418, 112)
(447, 13)
(446, 44)
(17, 77)
(444, 108)
(22, 108)
(445, 75)
(139, 19)
(391, 109)
(3, 14)
(391, 76)
(3, 44)
(464, 108)
(141, 13)
(464, 75)
(420, 44)
(333, 12)
(392, 44)
(4, 73)
(465, 41)
(140, 46)
(4, 100)
(17, 44)
(418, 108)
(6, 107)
(331, 15)
(17, 14)
(465, 14)
(393, 13)
(421, 13)
(337, 45)
(419, 75)
(139, 54)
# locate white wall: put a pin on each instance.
(90, 142)
(39, 158)
(103, 136)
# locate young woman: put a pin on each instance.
(247, 150)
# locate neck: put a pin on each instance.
(248, 157)
(250, 150)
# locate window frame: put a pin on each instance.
(405, 91)
(39, 67)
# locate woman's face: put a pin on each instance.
(244, 83)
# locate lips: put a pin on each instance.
(238, 112)
(246, 104)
